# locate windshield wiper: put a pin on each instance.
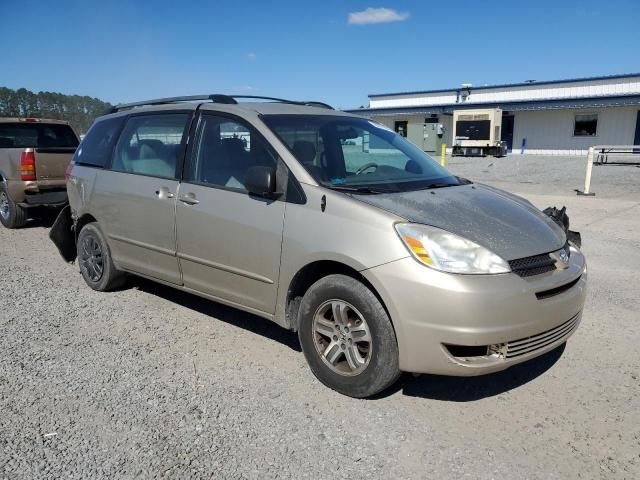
(365, 190)
(464, 181)
(441, 185)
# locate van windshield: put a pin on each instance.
(355, 154)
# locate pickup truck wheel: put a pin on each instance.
(347, 337)
(94, 258)
(12, 215)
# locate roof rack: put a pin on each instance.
(215, 98)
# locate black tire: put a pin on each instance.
(12, 215)
(382, 369)
(94, 259)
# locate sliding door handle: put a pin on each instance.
(189, 199)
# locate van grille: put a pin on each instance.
(542, 340)
(529, 266)
(535, 265)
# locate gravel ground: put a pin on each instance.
(149, 382)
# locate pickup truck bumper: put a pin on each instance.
(50, 193)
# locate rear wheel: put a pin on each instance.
(12, 215)
(347, 337)
(94, 258)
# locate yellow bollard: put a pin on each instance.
(443, 152)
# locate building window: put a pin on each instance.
(585, 125)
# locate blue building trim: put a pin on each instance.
(520, 105)
(508, 85)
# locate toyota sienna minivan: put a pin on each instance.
(328, 224)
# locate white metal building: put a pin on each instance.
(561, 117)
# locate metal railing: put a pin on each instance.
(601, 154)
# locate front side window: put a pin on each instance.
(585, 125)
(356, 154)
(224, 150)
(151, 145)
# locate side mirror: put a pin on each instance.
(261, 181)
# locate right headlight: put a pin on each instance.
(448, 252)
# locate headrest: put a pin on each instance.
(6, 142)
(304, 151)
(233, 145)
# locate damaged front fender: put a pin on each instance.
(63, 235)
(561, 218)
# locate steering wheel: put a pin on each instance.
(365, 167)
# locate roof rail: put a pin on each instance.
(310, 103)
(215, 98)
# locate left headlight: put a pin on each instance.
(448, 252)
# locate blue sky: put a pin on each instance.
(330, 50)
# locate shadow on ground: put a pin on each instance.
(435, 387)
(42, 217)
(219, 312)
(468, 389)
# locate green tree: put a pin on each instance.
(79, 111)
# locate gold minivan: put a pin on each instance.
(328, 224)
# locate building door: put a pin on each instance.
(400, 127)
(507, 130)
(636, 139)
(431, 140)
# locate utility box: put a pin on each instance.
(478, 133)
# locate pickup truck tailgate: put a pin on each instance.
(51, 163)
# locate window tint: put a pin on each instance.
(96, 147)
(585, 125)
(151, 145)
(37, 135)
(224, 150)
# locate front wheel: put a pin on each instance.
(347, 337)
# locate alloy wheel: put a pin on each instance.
(4, 205)
(91, 261)
(342, 337)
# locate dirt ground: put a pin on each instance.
(150, 382)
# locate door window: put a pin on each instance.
(151, 145)
(224, 150)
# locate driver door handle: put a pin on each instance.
(189, 199)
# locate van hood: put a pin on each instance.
(506, 224)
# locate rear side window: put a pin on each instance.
(37, 135)
(151, 145)
(97, 146)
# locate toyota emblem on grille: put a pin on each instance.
(561, 258)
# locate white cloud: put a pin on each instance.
(252, 56)
(376, 15)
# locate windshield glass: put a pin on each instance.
(357, 154)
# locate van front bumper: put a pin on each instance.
(467, 325)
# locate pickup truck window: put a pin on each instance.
(95, 149)
(37, 135)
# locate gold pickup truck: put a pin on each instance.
(34, 156)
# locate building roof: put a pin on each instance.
(546, 104)
(509, 85)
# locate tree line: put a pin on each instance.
(79, 111)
